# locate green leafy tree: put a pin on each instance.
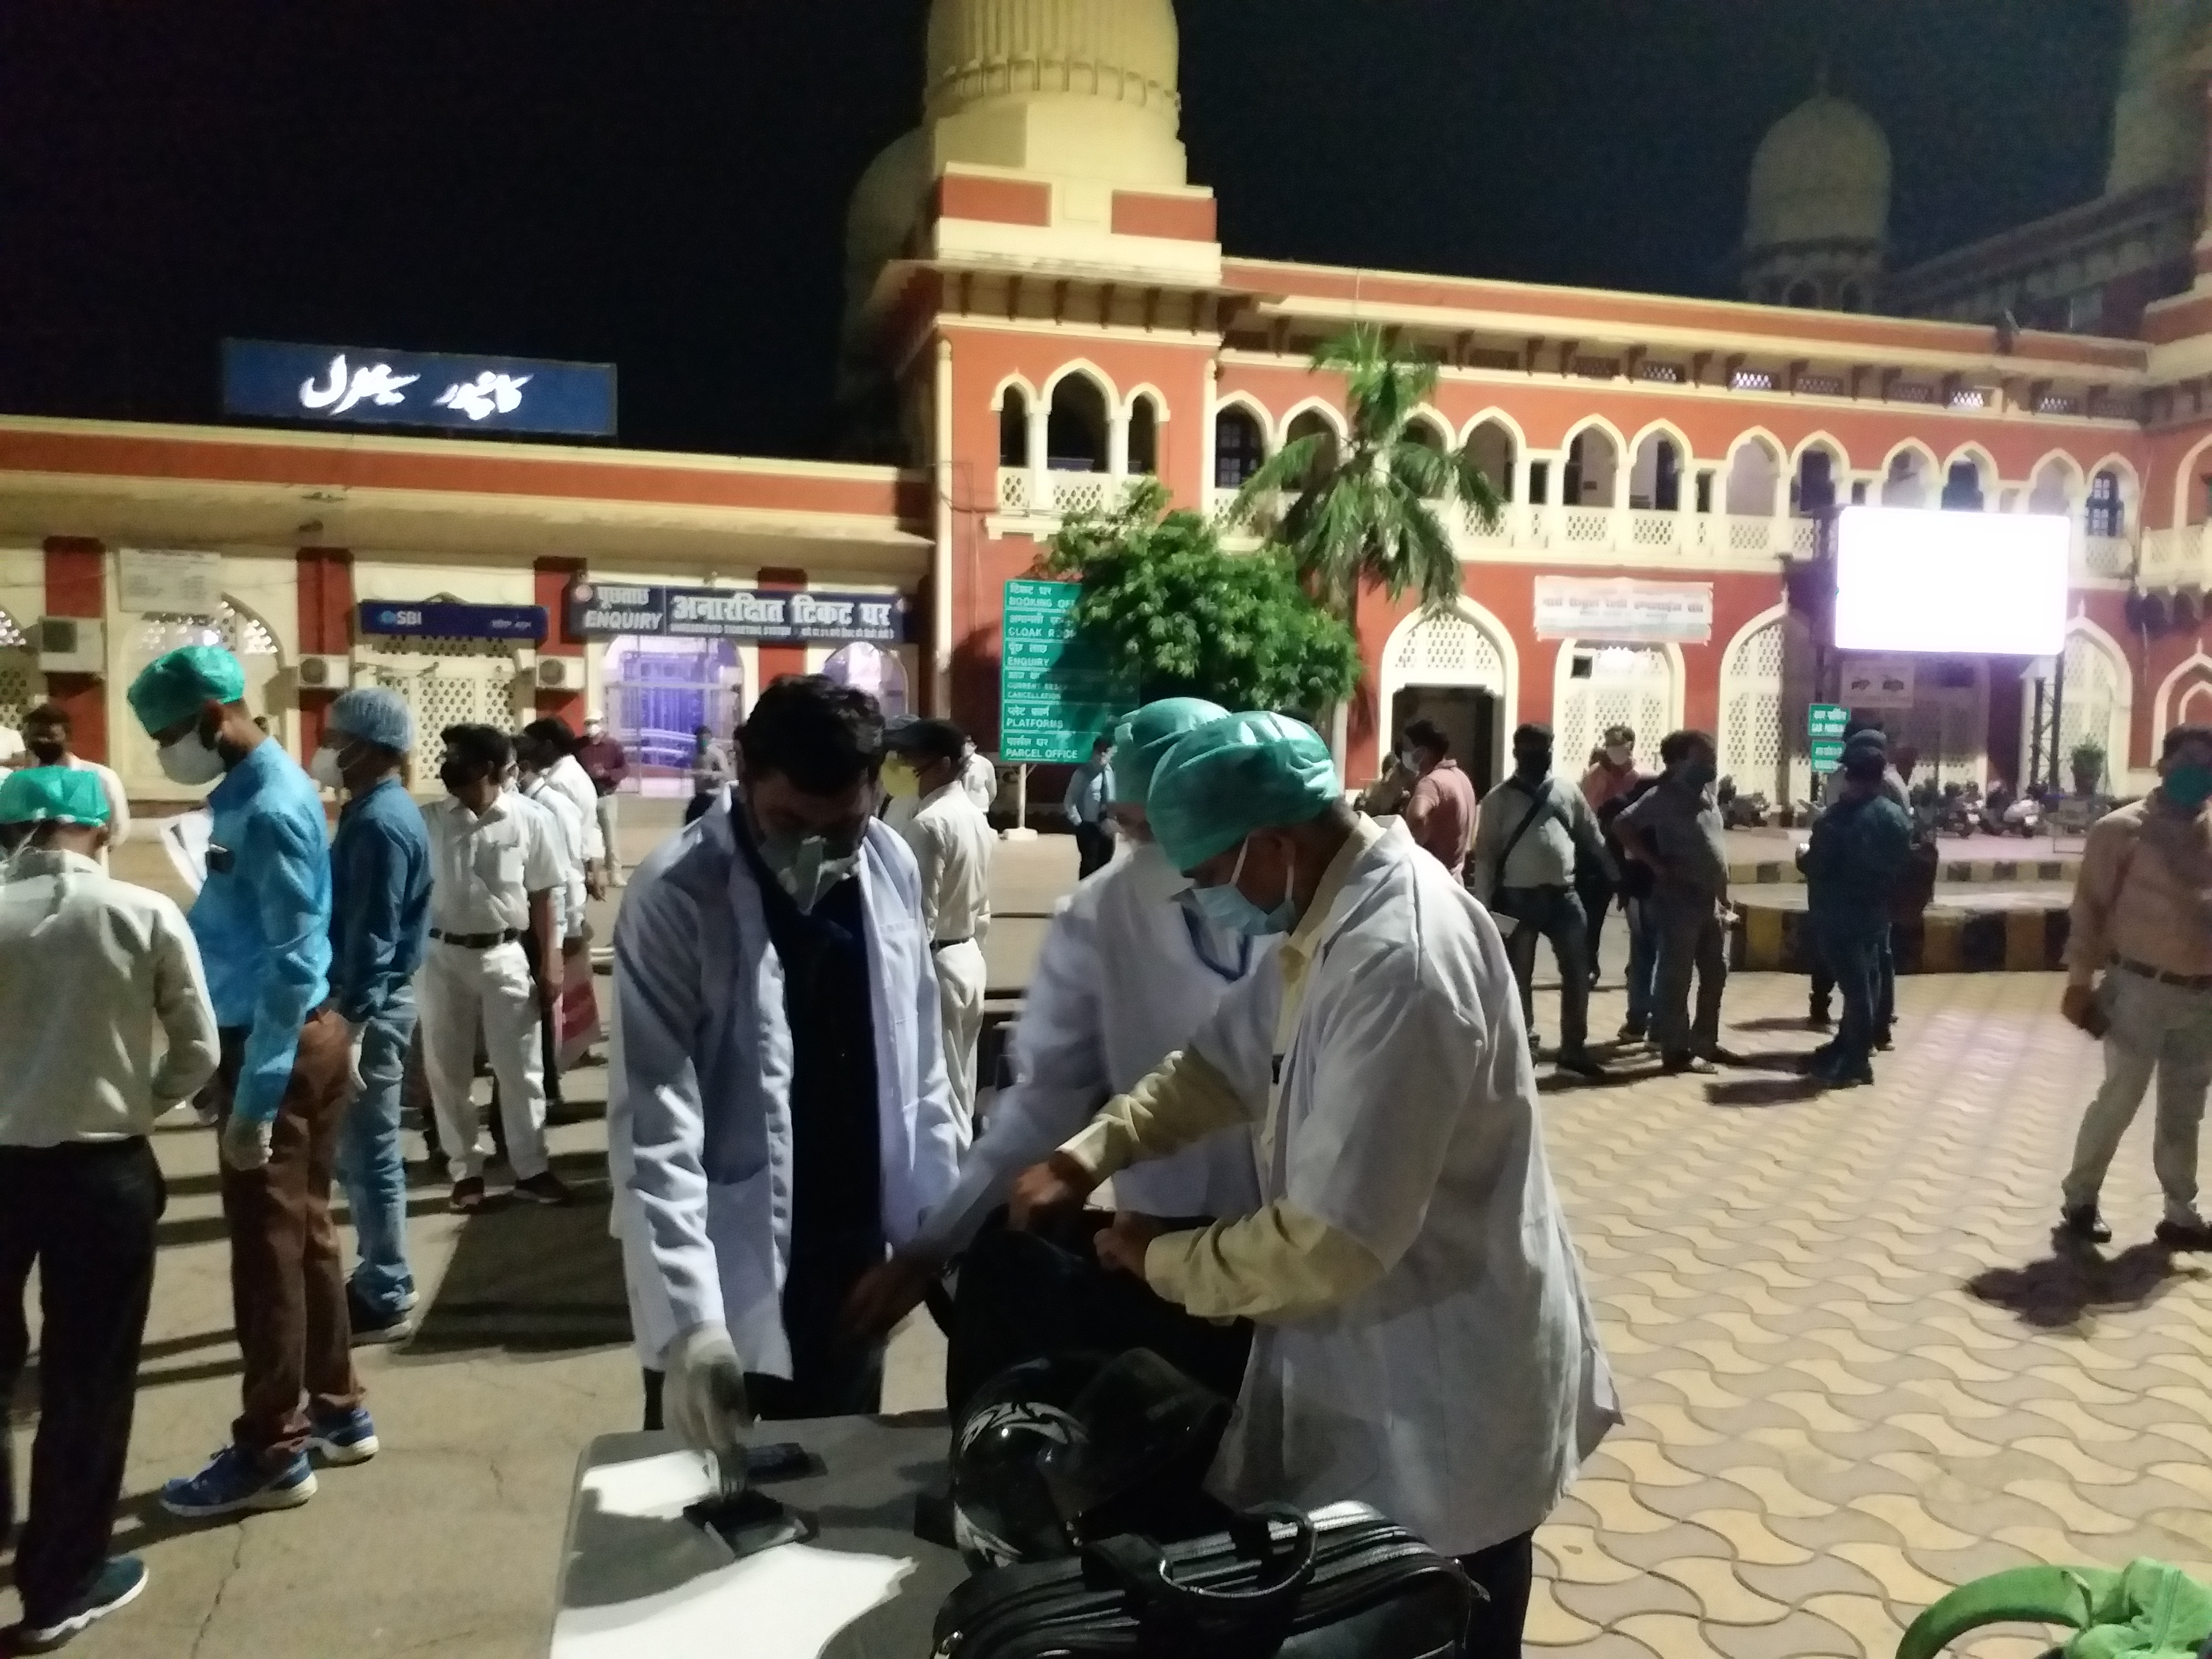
(1367, 512)
(1166, 611)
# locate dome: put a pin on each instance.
(1822, 175)
(2158, 114)
(1121, 50)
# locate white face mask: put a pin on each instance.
(190, 762)
(323, 766)
(1619, 757)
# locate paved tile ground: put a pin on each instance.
(1855, 1372)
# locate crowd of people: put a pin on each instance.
(1298, 1040)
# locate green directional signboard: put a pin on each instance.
(1824, 729)
(1051, 707)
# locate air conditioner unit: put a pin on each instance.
(324, 673)
(72, 645)
(560, 674)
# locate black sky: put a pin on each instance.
(663, 186)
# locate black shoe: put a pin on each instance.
(1721, 1056)
(1578, 1062)
(545, 1188)
(1834, 1076)
(1882, 1041)
(117, 1586)
(1632, 1032)
(2194, 1234)
(373, 1325)
(1697, 1065)
(1817, 1016)
(467, 1196)
(2083, 1222)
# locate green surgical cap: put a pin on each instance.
(1142, 741)
(59, 793)
(173, 687)
(1236, 774)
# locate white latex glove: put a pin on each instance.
(245, 1144)
(705, 1394)
(354, 1085)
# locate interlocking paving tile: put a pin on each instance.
(1857, 1373)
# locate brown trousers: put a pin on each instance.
(288, 1287)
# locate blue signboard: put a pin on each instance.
(811, 615)
(439, 620)
(350, 386)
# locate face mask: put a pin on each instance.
(1696, 774)
(2188, 785)
(1156, 880)
(804, 868)
(457, 777)
(899, 780)
(190, 762)
(323, 766)
(49, 751)
(1229, 909)
(1618, 757)
(1534, 763)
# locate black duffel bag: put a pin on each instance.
(1340, 1583)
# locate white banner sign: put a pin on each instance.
(1877, 681)
(1624, 610)
(190, 584)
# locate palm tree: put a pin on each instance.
(1365, 512)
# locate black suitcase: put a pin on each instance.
(1340, 1583)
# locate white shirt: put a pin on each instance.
(568, 827)
(953, 845)
(11, 742)
(981, 781)
(118, 804)
(484, 870)
(88, 965)
(567, 774)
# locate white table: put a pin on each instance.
(638, 1581)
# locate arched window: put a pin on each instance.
(1492, 445)
(1655, 481)
(1238, 447)
(1815, 486)
(1753, 467)
(1907, 484)
(1014, 428)
(1804, 294)
(1962, 487)
(1075, 432)
(1314, 424)
(1143, 437)
(1426, 434)
(2108, 513)
(1850, 297)
(867, 668)
(1592, 460)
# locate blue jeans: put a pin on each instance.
(1851, 950)
(1643, 957)
(369, 1166)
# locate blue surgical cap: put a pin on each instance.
(1233, 776)
(374, 714)
(61, 794)
(173, 688)
(1142, 741)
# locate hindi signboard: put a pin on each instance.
(1824, 730)
(181, 584)
(600, 610)
(1050, 710)
(1622, 610)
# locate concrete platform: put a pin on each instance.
(2006, 926)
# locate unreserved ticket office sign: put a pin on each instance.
(1050, 710)
(600, 610)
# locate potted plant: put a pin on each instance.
(2088, 762)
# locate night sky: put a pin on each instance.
(663, 186)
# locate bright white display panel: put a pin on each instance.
(1912, 580)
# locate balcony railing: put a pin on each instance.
(2177, 558)
(1062, 493)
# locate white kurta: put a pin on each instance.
(1460, 1392)
(699, 1086)
(1127, 972)
(952, 847)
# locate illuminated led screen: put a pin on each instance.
(1910, 580)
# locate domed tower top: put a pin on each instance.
(1821, 175)
(2158, 117)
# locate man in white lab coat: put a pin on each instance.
(953, 845)
(778, 1113)
(1424, 1342)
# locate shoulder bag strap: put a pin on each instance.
(1535, 811)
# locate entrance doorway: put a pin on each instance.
(660, 690)
(1466, 714)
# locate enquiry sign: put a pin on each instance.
(768, 616)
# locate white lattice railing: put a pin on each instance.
(2180, 558)
(2096, 556)
(1013, 490)
(1063, 492)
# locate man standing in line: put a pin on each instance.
(561, 767)
(47, 737)
(88, 967)
(1614, 772)
(2142, 917)
(606, 763)
(1441, 812)
(535, 758)
(777, 1112)
(710, 774)
(1088, 793)
(1534, 826)
(979, 778)
(1857, 855)
(1675, 829)
(1423, 1341)
(1892, 788)
(494, 875)
(953, 845)
(380, 909)
(262, 922)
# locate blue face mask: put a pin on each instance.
(1230, 911)
(2188, 785)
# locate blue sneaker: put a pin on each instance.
(347, 1439)
(118, 1585)
(233, 1482)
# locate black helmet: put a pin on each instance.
(1002, 1509)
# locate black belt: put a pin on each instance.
(2185, 981)
(937, 945)
(476, 941)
